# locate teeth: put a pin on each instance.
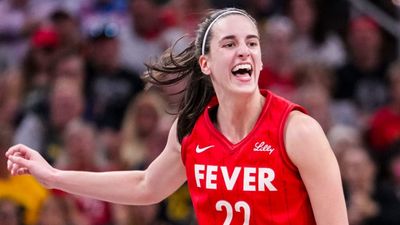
(241, 66)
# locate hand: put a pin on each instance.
(24, 160)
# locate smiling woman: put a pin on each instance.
(248, 155)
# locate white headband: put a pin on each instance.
(203, 45)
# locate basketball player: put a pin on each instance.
(249, 156)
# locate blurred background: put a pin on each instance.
(70, 85)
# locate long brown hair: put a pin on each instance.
(184, 66)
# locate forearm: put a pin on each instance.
(123, 187)
(164, 175)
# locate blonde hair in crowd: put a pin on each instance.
(133, 147)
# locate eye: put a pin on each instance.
(228, 45)
(253, 43)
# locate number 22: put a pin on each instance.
(229, 210)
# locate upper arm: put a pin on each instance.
(308, 148)
(167, 172)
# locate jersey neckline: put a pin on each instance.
(225, 141)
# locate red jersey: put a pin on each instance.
(250, 182)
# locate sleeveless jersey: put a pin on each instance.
(250, 182)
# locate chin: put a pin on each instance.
(246, 89)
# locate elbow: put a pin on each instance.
(145, 192)
(154, 201)
(151, 195)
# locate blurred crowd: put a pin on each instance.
(71, 87)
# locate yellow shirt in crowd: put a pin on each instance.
(26, 191)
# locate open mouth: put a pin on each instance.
(242, 70)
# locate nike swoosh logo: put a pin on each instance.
(200, 150)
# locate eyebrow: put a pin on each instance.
(228, 37)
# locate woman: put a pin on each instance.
(242, 166)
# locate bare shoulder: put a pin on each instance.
(173, 142)
(302, 125)
(304, 139)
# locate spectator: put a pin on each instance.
(314, 41)
(150, 31)
(138, 215)
(58, 209)
(109, 86)
(278, 70)
(17, 22)
(387, 194)
(35, 75)
(188, 13)
(342, 111)
(25, 191)
(45, 128)
(359, 174)
(81, 152)
(315, 93)
(342, 137)
(145, 123)
(262, 10)
(110, 148)
(10, 97)
(68, 29)
(384, 127)
(68, 64)
(316, 100)
(79, 148)
(94, 13)
(362, 78)
(10, 212)
(177, 209)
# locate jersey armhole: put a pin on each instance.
(282, 126)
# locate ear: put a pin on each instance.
(203, 62)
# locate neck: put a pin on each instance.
(236, 118)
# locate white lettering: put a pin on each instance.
(249, 178)
(230, 181)
(211, 177)
(265, 178)
(253, 178)
(263, 147)
(197, 174)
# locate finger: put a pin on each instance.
(19, 161)
(14, 168)
(19, 148)
(22, 171)
(18, 170)
(12, 150)
(9, 165)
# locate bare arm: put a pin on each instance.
(310, 151)
(165, 174)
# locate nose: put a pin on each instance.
(243, 51)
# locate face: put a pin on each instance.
(234, 60)
(278, 44)
(52, 212)
(71, 67)
(146, 119)
(364, 37)
(355, 160)
(66, 103)
(302, 14)
(8, 213)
